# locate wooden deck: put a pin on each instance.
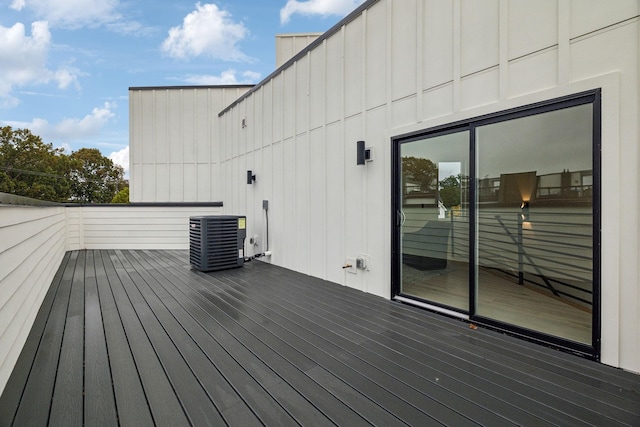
(138, 338)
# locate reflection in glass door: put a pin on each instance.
(535, 222)
(435, 226)
(498, 219)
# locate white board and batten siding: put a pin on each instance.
(32, 245)
(288, 45)
(175, 155)
(401, 66)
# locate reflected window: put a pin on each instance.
(498, 219)
(435, 230)
(534, 228)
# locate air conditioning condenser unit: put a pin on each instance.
(216, 242)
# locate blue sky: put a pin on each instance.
(66, 65)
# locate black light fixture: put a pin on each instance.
(524, 211)
(251, 178)
(363, 154)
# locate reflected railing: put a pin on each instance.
(552, 250)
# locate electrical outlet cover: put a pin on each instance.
(367, 261)
(352, 263)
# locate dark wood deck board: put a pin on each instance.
(162, 400)
(560, 363)
(582, 395)
(383, 372)
(413, 373)
(280, 339)
(302, 410)
(186, 364)
(99, 401)
(131, 402)
(139, 338)
(35, 403)
(166, 339)
(13, 392)
(67, 401)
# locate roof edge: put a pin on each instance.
(192, 87)
(317, 42)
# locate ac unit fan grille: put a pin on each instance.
(216, 242)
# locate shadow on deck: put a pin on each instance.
(139, 338)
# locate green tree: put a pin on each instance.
(450, 191)
(422, 171)
(31, 168)
(122, 196)
(96, 179)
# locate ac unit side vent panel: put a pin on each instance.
(216, 242)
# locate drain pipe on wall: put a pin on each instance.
(267, 252)
(265, 206)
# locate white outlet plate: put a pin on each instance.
(352, 263)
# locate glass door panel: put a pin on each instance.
(535, 222)
(434, 231)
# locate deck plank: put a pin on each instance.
(35, 402)
(163, 402)
(131, 402)
(566, 402)
(447, 388)
(292, 401)
(342, 337)
(67, 401)
(20, 374)
(140, 338)
(341, 411)
(99, 401)
(589, 399)
(180, 354)
(413, 407)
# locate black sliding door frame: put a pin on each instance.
(590, 97)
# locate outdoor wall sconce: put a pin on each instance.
(251, 178)
(524, 211)
(363, 154)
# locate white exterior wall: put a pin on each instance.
(175, 154)
(132, 227)
(32, 245)
(288, 45)
(402, 66)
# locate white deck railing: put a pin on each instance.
(33, 241)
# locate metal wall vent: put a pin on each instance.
(216, 242)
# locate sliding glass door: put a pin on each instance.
(497, 219)
(435, 219)
(535, 222)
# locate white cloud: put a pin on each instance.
(72, 14)
(17, 5)
(207, 31)
(8, 102)
(75, 14)
(228, 77)
(317, 7)
(70, 129)
(121, 158)
(131, 28)
(89, 125)
(66, 147)
(24, 61)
